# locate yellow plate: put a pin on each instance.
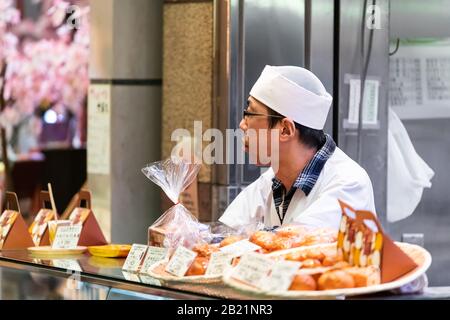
(49, 251)
(110, 250)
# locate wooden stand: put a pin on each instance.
(46, 215)
(17, 237)
(91, 234)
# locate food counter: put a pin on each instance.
(25, 276)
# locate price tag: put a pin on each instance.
(67, 237)
(135, 257)
(280, 279)
(218, 263)
(131, 276)
(154, 255)
(180, 261)
(150, 280)
(253, 269)
(240, 248)
(67, 264)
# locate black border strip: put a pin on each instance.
(128, 82)
(336, 71)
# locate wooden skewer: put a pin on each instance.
(52, 200)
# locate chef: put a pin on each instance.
(312, 173)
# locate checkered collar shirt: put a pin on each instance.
(306, 179)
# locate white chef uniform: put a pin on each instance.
(340, 178)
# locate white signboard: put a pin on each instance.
(99, 129)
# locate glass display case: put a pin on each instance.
(85, 277)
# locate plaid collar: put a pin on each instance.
(308, 177)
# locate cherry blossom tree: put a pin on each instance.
(43, 63)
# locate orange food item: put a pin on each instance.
(335, 279)
(365, 277)
(230, 240)
(198, 267)
(279, 243)
(263, 239)
(303, 282)
(332, 260)
(205, 250)
(311, 263)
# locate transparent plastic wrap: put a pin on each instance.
(177, 226)
(292, 236)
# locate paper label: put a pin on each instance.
(67, 237)
(240, 248)
(99, 129)
(253, 269)
(218, 263)
(154, 255)
(150, 280)
(7, 219)
(135, 257)
(180, 261)
(67, 264)
(370, 103)
(131, 276)
(282, 275)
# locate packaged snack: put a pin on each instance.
(177, 226)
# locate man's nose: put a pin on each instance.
(243, 125)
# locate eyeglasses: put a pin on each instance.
(248, 114)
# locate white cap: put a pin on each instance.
(295, 93)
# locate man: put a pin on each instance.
(313, 173)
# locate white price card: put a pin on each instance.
(135, 257)
(240, 248)
(180, 261)
(253, 269)
(218, 262)
(67, 264)
(370, 102)
(154, 255)
(150, 280)
(99, 129)
(131, 276)
(67, 237)
(282, 275)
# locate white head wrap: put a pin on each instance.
(294, 92)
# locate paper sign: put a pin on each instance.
(135, 257)
(99, 127)
(280, 279)
(131, 276)
(154, 255)
(67, 237)
(239, 248)
(253, 269)
(67, 264)
(150, 280)
(180, 261)
(7, 219)
(218, 263)
(370, 103)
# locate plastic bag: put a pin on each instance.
(177, 226)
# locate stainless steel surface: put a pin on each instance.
(320, 53)
(411, 19)
(244, 43)
(274, 35)
(420, 19)
(374, 146)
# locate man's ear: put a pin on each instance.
(287, 129)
